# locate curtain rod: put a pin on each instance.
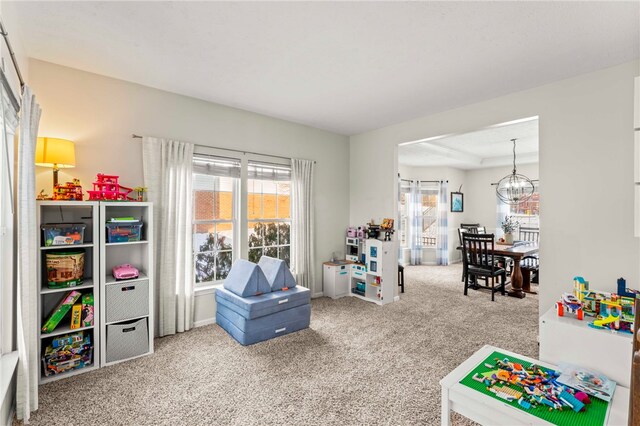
(134, 136)
(5, 35)
(425, 181)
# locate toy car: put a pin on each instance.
(571, 304)
(125, 272)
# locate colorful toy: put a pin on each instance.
(60, 311)
(571, 304)
(626, 292)
(610, 310)
(140, 190)
(70, 191)
(76, 315)
(63, 234)
(125, 272)
(106, 187)
(65, 269)
(71, 355)
(351, 232)
(67, 339)
(87, 310)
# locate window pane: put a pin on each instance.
(225, 235)
(205, 267)
(204, 241)
(223, 264)
(203, 205)
(271, 234)
(255, 255)
(284, 233)
(271, 252)
(283, 253)
(256, 234)
(224, 201)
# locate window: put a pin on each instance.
(527, 213)
(269, 211)
(215, 212)
(403, 211)
(429, 201)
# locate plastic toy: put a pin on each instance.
(60, 311)
(76, 351)
(106, 187)
(626, 292)
(65, 269)
(140, 190)
(571, 304)
(70, 191)
(125, 272)
(351, 232)
(63, 234)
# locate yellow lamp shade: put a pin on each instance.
(56, 153)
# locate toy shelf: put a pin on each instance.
(67, 247)
(69, 373)
(65, 329)
(132, 309)
(127, 243)
(111, 280)
(87, 283)
(87, 213)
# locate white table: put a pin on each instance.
(490, 411)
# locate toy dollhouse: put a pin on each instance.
(106, 187)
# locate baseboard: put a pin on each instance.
(316, 295)
(204, 322)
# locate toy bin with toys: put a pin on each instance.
(63, 234)
(124, 232)
(68, 352)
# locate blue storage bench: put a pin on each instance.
(254, 306)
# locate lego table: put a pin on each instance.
(486, 410)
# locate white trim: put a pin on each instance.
(209, 289)
(204, 322)
(8, 364)
(318, 294)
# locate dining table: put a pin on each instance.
(516, 252)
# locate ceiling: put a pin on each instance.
(347, 67)
(490, 147)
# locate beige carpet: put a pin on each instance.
(358, 364)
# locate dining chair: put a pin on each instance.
(531, 235)
(478, 252)
(470, 228)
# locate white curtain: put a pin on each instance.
(415, 214)
(442, 248)
(168, 166)
(27, 228)
(302, 222)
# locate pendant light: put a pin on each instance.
(513, 189)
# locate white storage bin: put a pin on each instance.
(127, 340)
(126, 300)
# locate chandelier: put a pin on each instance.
(514, 188)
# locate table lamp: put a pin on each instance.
(55, 153)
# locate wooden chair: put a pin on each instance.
(477, 251)
(634, 395)
(473, 229)
(531, 235)
(401, 278)
(530, 266)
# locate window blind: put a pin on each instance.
(269, 171)
(216, 166)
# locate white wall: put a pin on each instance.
(586, 144)
(456, 177)
(480, 195)
(101, 113)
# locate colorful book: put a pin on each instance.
(60, 311)
(87, 310)
(76, 315)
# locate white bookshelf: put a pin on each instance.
(138, 254)
(85, 212)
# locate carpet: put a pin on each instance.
(359, 363)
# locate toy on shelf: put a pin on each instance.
(69, 352)
(65, 269)
(43, 196)
(571, 304)
(60, 311)
(63, 234)
(626, 292)
(125, 272)
(140, 191)
(106, 187)
(70, 191)
(76, 315)
(87, 310)
(610, 310)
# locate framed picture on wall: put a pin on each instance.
(457, 202)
